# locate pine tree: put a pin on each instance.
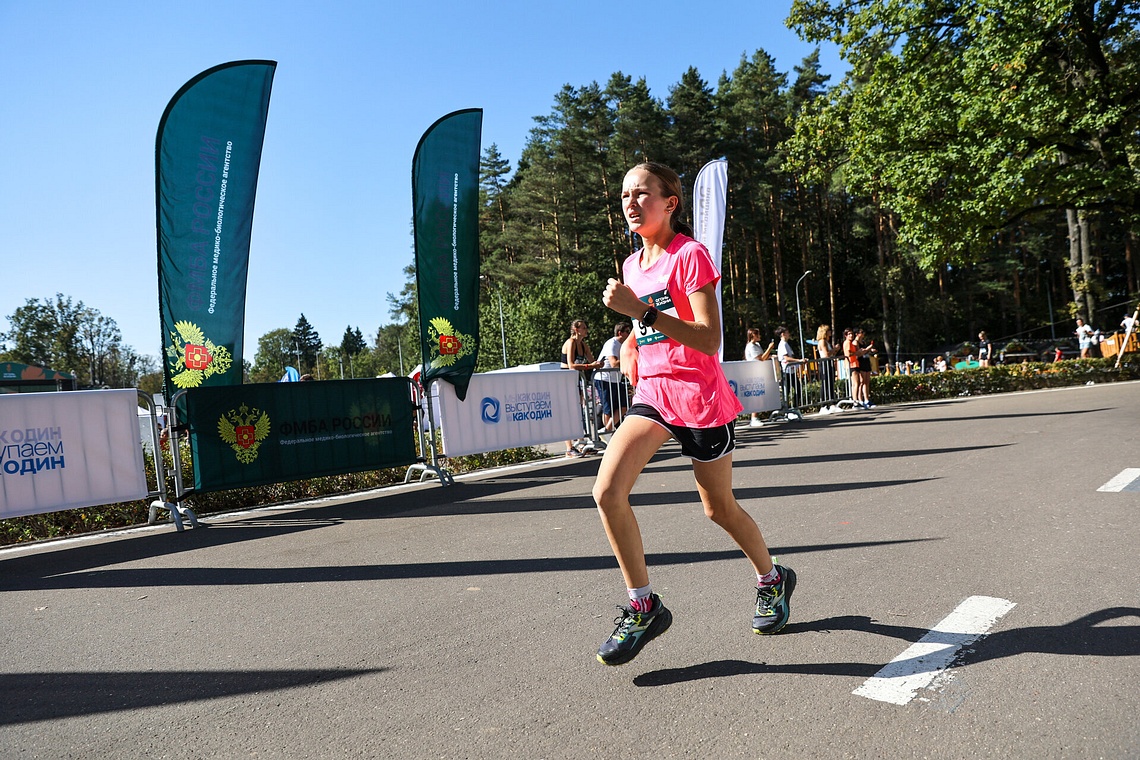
(353, 341)
(307, 345)
(693, 141)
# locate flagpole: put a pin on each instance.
(1127, 335)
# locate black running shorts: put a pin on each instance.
(700, 444)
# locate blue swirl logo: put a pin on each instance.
(490, 410)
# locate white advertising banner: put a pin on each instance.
(755, 384)
(710, 201)
(69, 449)
(506, 410)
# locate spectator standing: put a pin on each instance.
(578, 356)
(789, 366)
(985, 350)
(610, 386)
(856, 354)
(753, 351)
(1084, 335)
(828, 352)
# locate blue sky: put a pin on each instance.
(84, 83)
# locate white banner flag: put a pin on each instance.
(69, 449)
(710, 198)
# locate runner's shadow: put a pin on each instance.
(1084, 636)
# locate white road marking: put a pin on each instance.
(1127, 480)
(930, 656)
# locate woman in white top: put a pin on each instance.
(753, 351)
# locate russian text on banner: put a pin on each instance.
(69, 450)
(274, 432)
(514, 409)
(207, 157)
(755, 384)
(445, 220)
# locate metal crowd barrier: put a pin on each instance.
(594, 423)
(818, 384)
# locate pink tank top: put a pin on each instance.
(686, 386)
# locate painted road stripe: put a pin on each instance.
(926, 659)
(1127, 480)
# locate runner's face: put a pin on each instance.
(645, 207)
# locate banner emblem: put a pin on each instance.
(193, 358)
(448, 345)
(244, 429)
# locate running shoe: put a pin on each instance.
(774, 603)
(634, 630)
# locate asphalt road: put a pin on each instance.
(430, 622)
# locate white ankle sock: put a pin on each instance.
(769, 579)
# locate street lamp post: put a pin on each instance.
(799, 318)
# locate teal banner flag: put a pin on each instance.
(207, 156)
(262, 433)
(445, 206)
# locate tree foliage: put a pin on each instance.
(275, 352)
(66, 335)
(975, 120)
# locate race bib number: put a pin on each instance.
(649, 335)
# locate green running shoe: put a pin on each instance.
(774, 603)
(634, 630)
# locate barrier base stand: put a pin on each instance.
(177, 512)
(785, 415)
(427, 471)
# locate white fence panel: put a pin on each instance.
(506, 410)
(69, 449)
(755, 384)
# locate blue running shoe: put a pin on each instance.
(634, 630)
(774, 603)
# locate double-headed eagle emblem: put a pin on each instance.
(244, 429)
(447, 345)
(193, 358)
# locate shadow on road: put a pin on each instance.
(28, 697)
(148, 577)
(777, 461)
(60, 567)
(1084, 636)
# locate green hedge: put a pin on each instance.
(1005, 378)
